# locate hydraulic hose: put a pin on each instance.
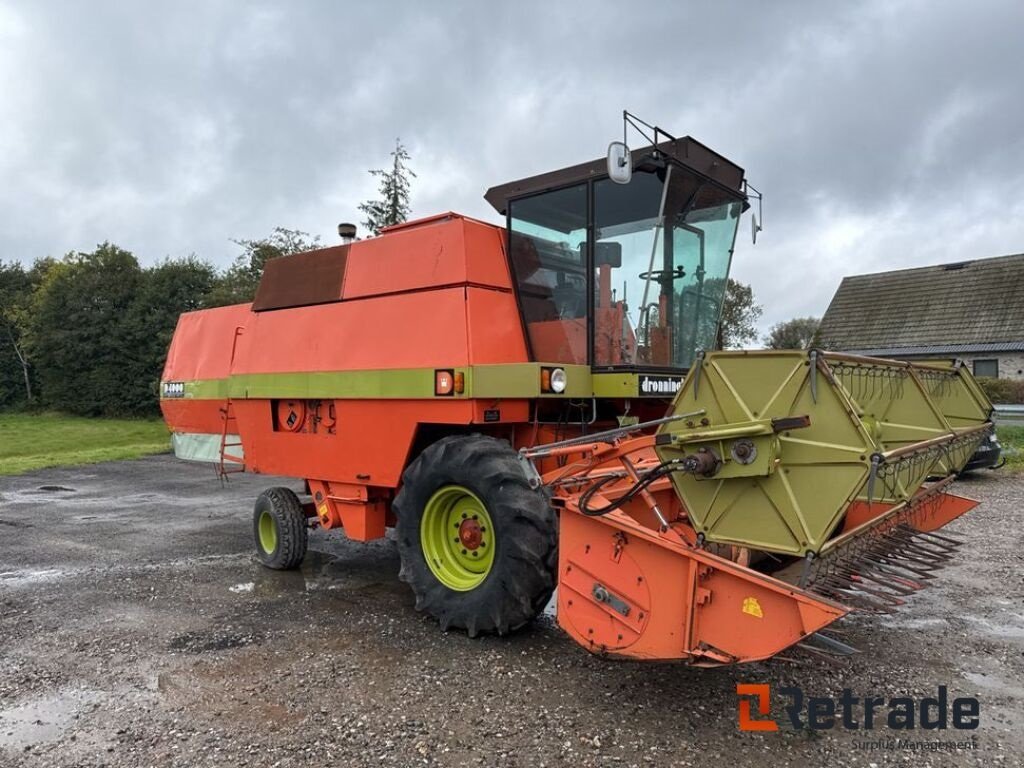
(655, 473)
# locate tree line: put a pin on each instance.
(88, 333)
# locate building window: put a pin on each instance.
(988, 368)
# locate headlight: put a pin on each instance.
(558, 380)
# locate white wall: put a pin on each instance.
(1011, 364)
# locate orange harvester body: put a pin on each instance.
(354, 359)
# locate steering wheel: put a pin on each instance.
(664, 276)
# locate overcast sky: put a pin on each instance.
(883, 134)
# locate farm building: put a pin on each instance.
(971, 310)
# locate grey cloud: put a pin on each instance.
(883, 134)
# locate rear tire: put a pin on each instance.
(478, 546)
(279, 529)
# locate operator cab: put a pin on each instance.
(625, 276)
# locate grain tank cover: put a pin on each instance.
(302, 279)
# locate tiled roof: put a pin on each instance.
(941, 349)
(950, 305)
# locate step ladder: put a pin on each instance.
(229, 463)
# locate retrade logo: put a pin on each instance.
(762, 695)
(850, 712)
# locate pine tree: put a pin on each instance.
(393, 205)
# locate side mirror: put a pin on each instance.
(620, 163)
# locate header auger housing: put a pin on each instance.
(783, 490)
(808, 435)
(465, 385)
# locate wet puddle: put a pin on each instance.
(43, 719)
(994, 683)
(35, 577)
(361, 572)
(926, 622)
(1008, 631)
(30, 576)
(322, 571)
(91, 498)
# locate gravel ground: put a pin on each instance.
(137, 630)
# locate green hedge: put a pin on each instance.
(93, 328)
(1003, 390)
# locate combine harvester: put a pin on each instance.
(513, 402)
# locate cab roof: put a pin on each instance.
(687, 151)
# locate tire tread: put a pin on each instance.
(522, 580)
(292, 529)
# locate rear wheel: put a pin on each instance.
(279, 529)
(478, 545)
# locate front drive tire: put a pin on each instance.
(279, 529)
(478, 546)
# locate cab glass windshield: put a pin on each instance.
(652, 295)
(662, 254)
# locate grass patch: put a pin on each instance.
(35, 440)
(1012, 440)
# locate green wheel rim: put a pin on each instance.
(457, 538)
(268, 533)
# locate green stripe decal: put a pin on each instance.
(369, 385)
(206, 389)
(508, 381)
(615, 385)
(523, 380)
